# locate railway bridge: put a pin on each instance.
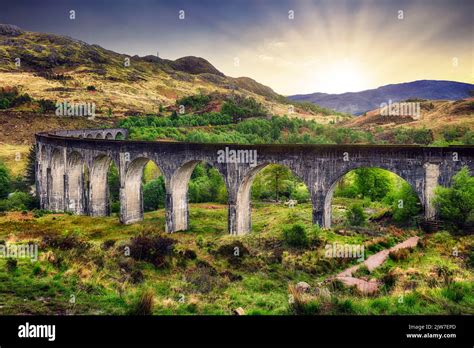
(63, 184)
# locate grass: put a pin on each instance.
(14, 157)
(94, 279)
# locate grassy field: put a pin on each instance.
(82, 267)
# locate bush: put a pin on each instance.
(153, 249)
(355, 215)
(5, 181)
(455, 204)
(295, 235)
(400, 254)
(91, 88)
(20, 201)
(405, 204)
(11, 264)
(373, 183)
(144, 304)
(154, 194)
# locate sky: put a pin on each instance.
(293, 46)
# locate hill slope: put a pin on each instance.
(357, 103)
(61, 68)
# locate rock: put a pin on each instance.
(303, 287)
(239, 311)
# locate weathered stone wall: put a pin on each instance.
(63, 158)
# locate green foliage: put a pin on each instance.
(18, 201)
(154, 194)
(355, 215)
(207, 185)
(300, 193)
(405, 204)
(455, 204)
(373, 183)
(240, 108)
(46, 105)
(194, 102)
(295, 235)
(11, 97)
(421, 136)
(5, 181)
(113, 181)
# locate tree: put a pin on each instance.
(405, 204)
(154, 194)
(279, 178)
(5, 181)
(30, 166)
(355, 215)
(455, 204)
(373, 183)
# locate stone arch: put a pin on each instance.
(327, 208)
(243, 220)
(109, 136)
(177, 218)
(75, 183)
(89, 136)
(131, 193)
(98, 187)
(119, 136)
(56, 178)
(99, 136)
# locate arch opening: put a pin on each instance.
(109, 136)
(197, 182)
(143, 190)
(273, 187)
(372, 193)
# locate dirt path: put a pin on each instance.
(374, 261)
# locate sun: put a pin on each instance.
(342, 76)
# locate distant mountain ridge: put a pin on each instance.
(357, 103)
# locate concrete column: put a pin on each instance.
(98, 188)
(321, 209)
(177, 208)
(430, 183)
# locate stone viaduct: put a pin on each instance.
(72, 166)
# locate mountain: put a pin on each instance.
(357, 103)
(56, 67)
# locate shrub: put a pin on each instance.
(405, 204)
(355, 215)
(154, 194)
(5, 181)
(67, 242)
(295, 235)
(91, 88)
(144, 304)
(20, 201)
(46, 105)
(455, 292)
(153, 249)
(455, 204)
(400, 254)
(11, 264)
